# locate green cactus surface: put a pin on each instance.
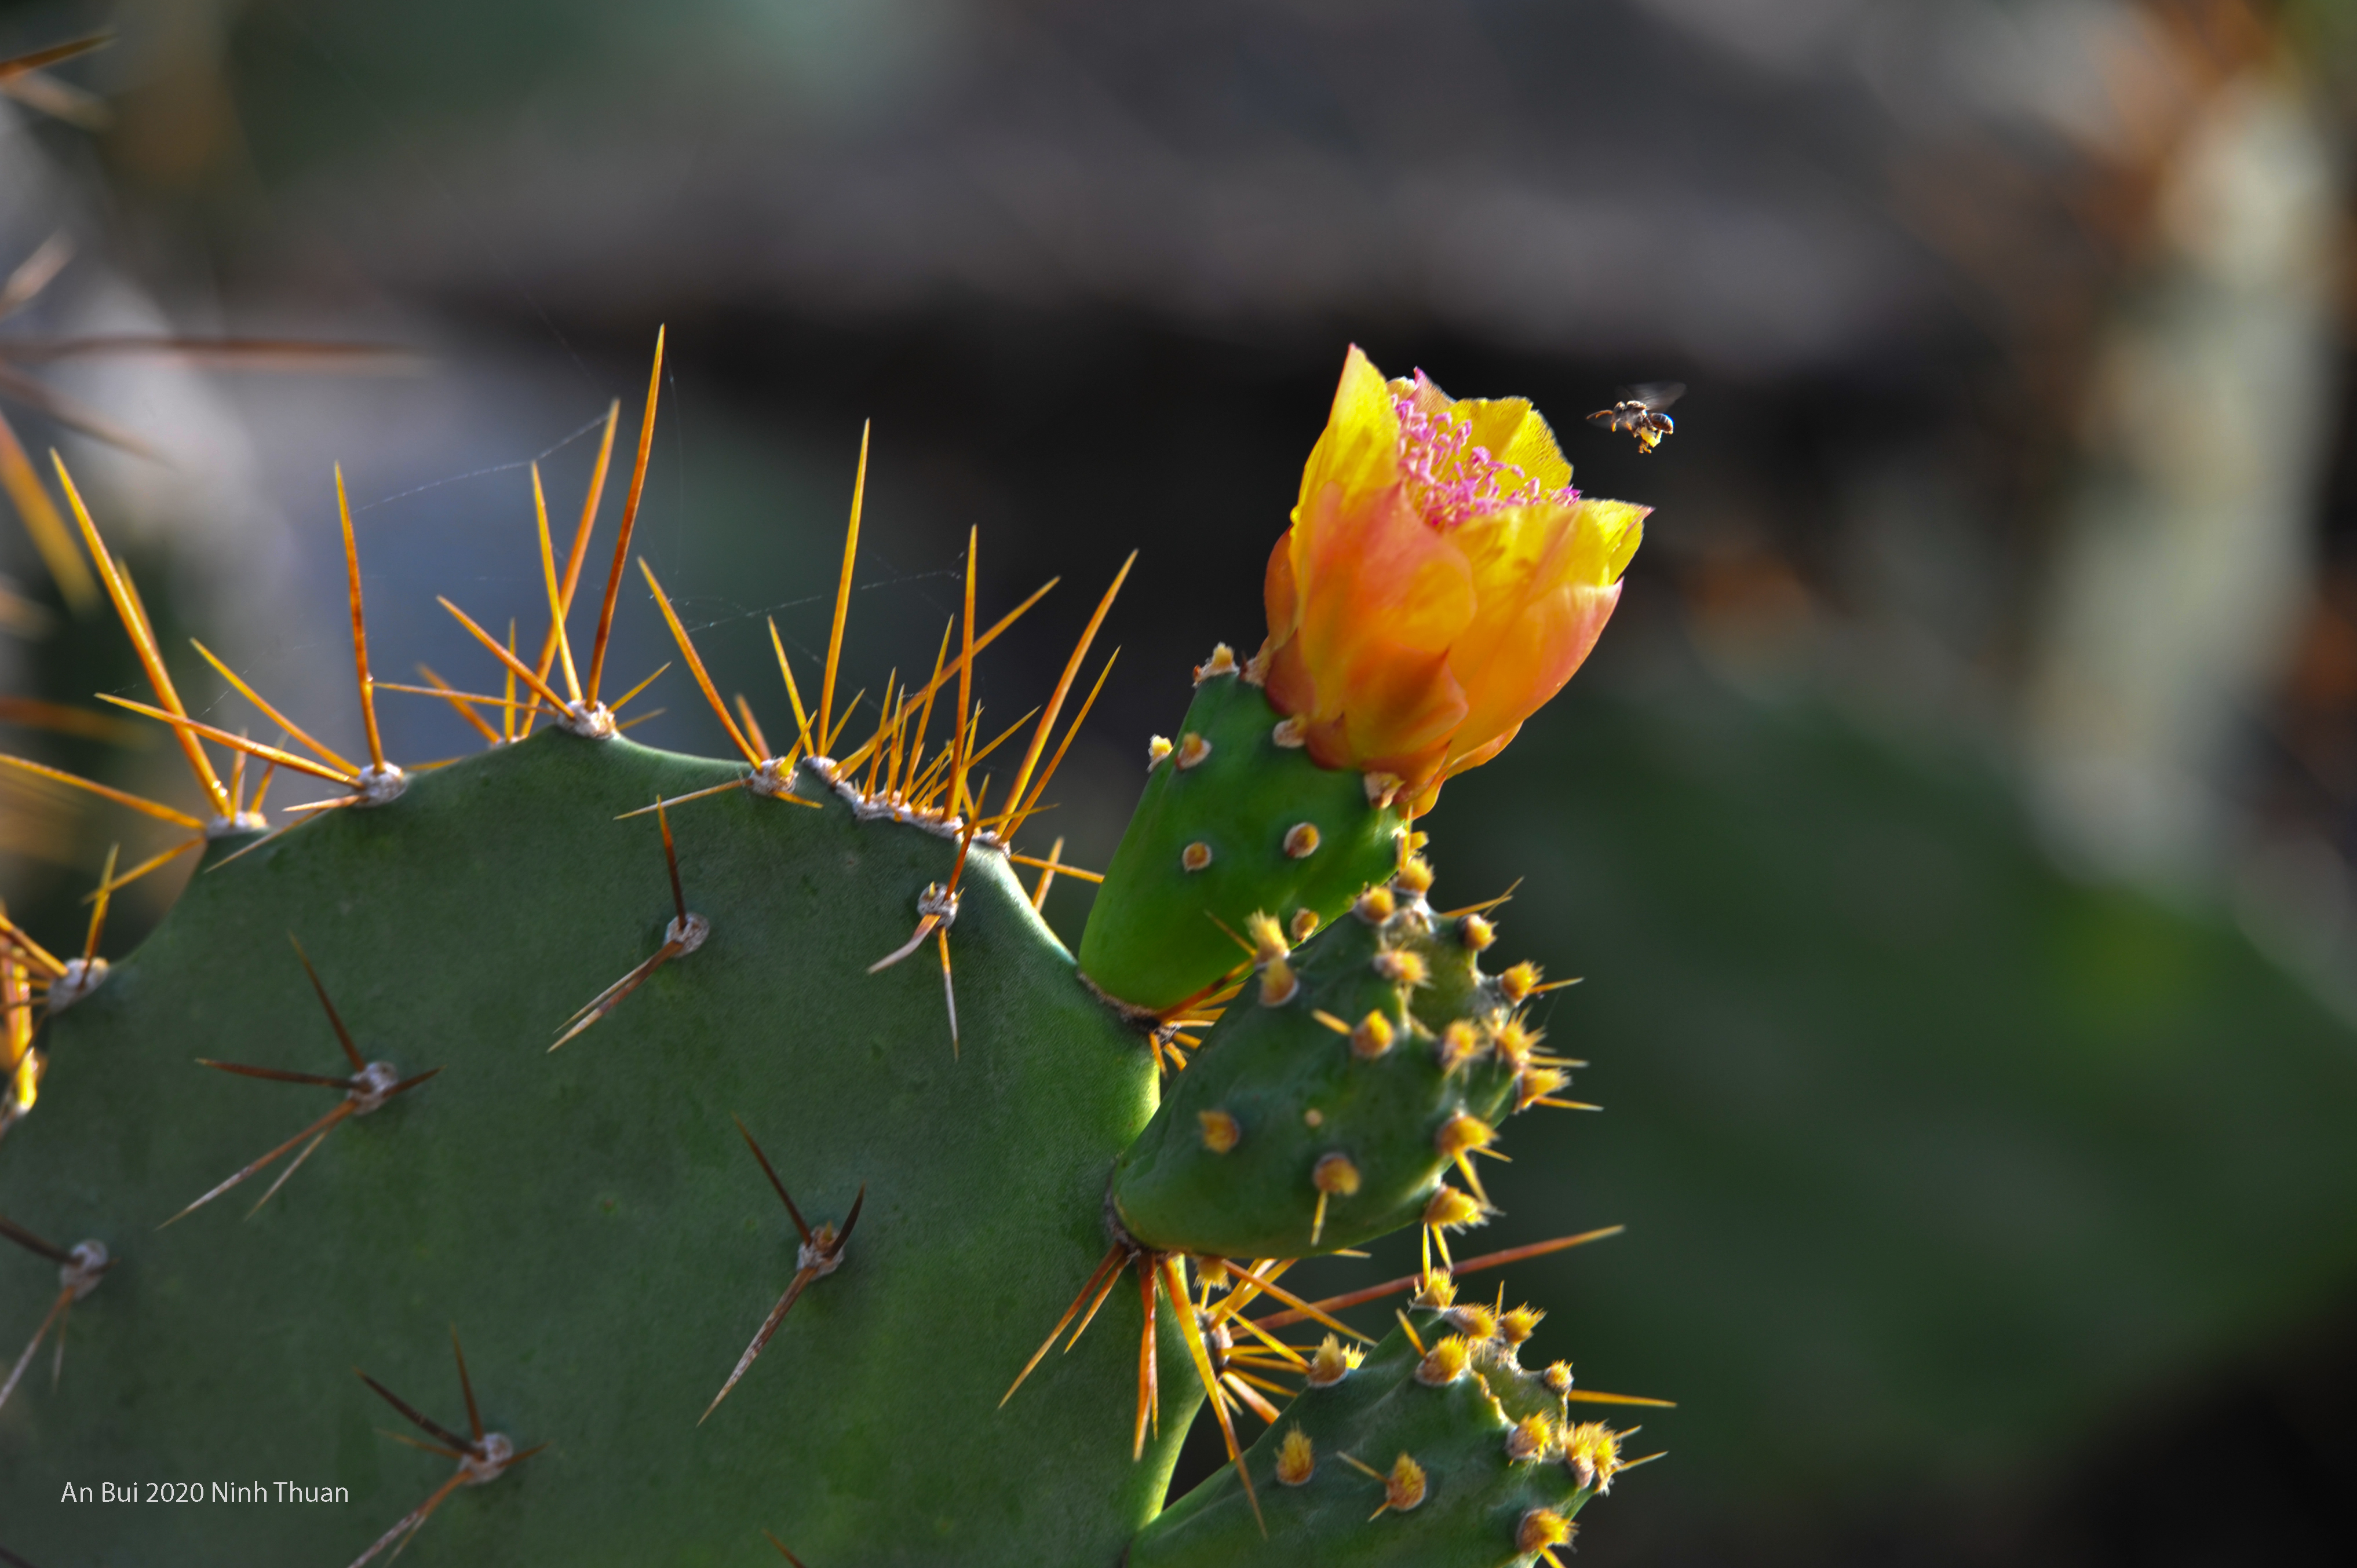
(589, 1220)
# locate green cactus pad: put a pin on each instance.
(1474, 1496)
(1295, 1092)
(590, 1221)
(1153, 938)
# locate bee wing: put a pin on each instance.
(1655, 395)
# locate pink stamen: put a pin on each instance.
(1451, 482)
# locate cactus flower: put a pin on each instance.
(1440, 581)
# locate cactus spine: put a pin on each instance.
(758, 1254)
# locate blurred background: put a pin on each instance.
(1955, 824)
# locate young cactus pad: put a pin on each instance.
(1439, 1434)
(728, 1133)
(1232, 823)
(1342, 1090)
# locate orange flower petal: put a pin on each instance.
(1546, 585)
(1392, 596)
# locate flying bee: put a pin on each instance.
(1638, 413)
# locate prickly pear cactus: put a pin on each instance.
(723, 1135)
